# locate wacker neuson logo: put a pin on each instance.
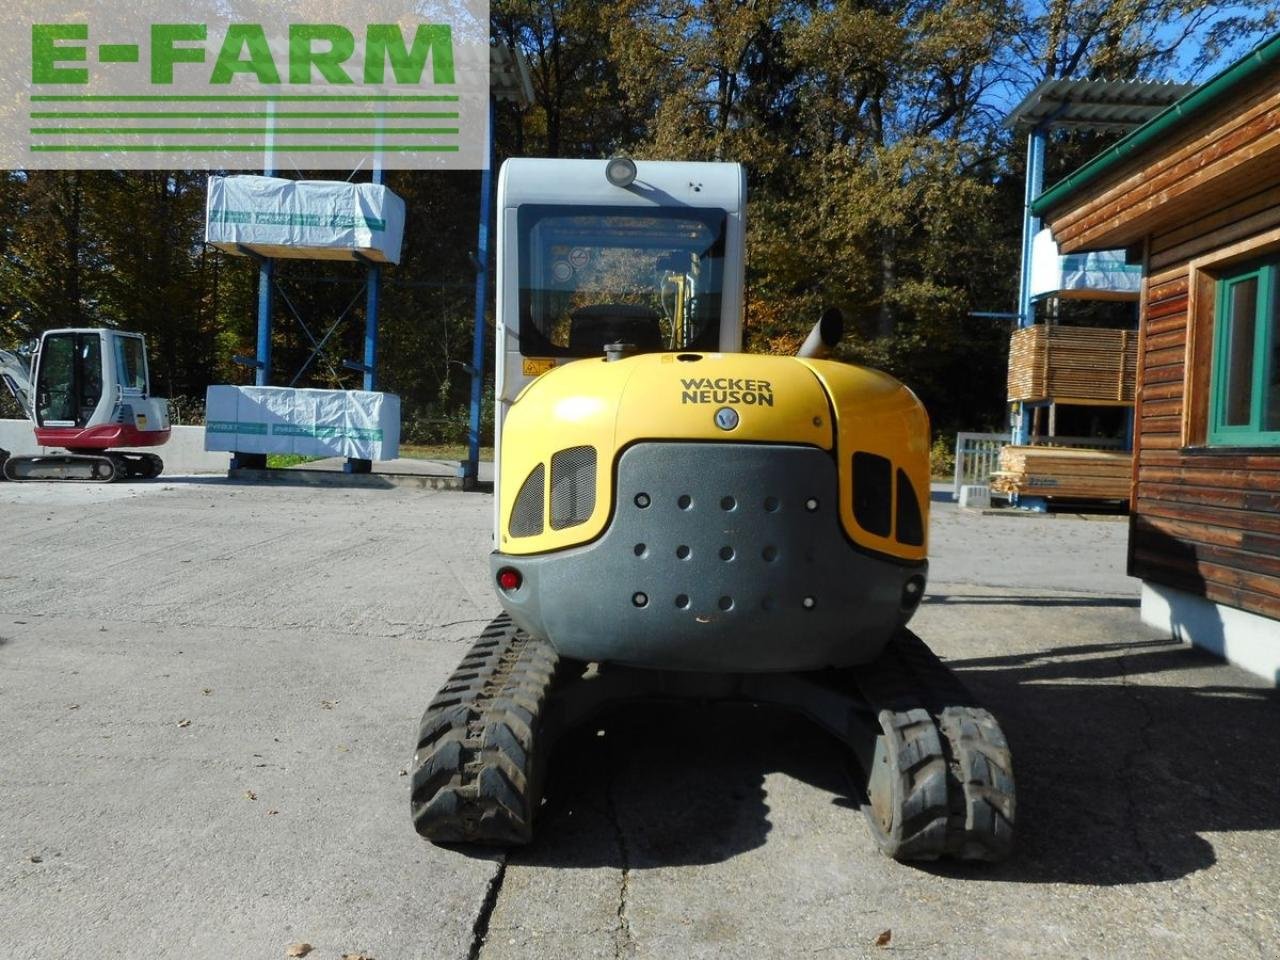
(244, 84)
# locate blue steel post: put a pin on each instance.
(266, 270)
(374, 291)
(1030, 227)
(471, 469)
(266, 279)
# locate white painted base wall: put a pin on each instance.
(184, 453)
(1245, 639)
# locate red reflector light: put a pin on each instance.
(509, 579)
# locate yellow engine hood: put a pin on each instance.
(667, 396)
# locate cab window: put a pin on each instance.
(592, 276)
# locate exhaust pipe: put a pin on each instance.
(824, 337)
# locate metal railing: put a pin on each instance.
(978, 454)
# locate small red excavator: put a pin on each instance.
(88, 392)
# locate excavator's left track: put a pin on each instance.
(479, 761)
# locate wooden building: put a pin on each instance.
(1194, 195)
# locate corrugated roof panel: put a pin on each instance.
(1108, 104)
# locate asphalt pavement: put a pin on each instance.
(210, 692)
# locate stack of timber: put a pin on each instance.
(1063, 472)
(1073, 365)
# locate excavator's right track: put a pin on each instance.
(941, 781)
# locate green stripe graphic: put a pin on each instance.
(293, 430)
(241, 148)
(243, 98)
(338, 220)
(220, 115)
(259, 131)
(118, 53)
(231, 426)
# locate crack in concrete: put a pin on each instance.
(480, 928)
(624, 944)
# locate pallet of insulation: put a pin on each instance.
(1064, 472)
(1073, 365)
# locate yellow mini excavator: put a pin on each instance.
(678, 518)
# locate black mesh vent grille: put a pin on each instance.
(873, 493)
(526, 515)
(910, 524)
(573, 487)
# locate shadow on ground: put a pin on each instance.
(997, 600)
(1125, 754)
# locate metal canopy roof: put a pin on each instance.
(509, 79)
(1095, 104)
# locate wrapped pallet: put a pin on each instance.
(304, 219)
(308, 423)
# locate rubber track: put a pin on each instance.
(982, 792)
(914, 780)
(476, 774)
(982, 796)
(972, 816)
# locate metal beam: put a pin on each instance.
(1030, 227)
(471, 469)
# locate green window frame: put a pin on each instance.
(1244, 405)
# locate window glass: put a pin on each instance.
(55, 379)
(1271, 413)
(89, 350)
(1242, 304)
(132, 364)
(591, 276)
(1245, 395)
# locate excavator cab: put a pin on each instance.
(88, 391)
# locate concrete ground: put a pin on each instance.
(209, 693)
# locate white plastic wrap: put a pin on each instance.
(304, 219)
(1102, 274)
(308, 423)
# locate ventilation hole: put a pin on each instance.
(526, 514)
(771, 504)
(726, 554)
(685, 502)
(688, 357)
(770, 554)
(641, 550)
(573, 487)
(728, 503)
(910, 526)
(682, 602)
(640, 600)
(726, 604)
(873, 493)
(682, 552)
(643, 501)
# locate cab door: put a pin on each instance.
(68, 379)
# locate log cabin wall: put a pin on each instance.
(1205, 520)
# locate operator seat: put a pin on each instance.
(593, 328)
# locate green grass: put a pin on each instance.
(278, 461)
(441, 451)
